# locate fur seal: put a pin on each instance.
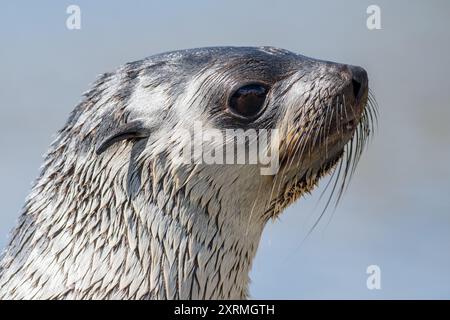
(113, 216)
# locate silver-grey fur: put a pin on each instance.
(129, 223)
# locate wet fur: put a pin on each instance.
(119, 220)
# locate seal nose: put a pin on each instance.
(359, 81)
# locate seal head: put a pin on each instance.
(116, 214)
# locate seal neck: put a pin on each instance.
(81, 235)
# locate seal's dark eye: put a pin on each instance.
(248, 100)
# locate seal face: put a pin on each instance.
(114, 214)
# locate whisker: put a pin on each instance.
(342, 171)
(328, 201)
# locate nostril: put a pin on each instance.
(356, 87)
(359, 81)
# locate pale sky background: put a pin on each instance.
(396, 212)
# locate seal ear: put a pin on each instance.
(131, 130)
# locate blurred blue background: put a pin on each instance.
(396, 212)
